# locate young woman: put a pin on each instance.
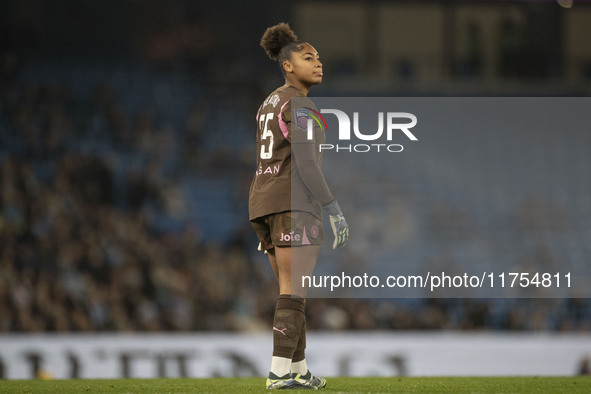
(286, 199)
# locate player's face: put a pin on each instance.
(305, 65)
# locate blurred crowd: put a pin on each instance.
(79, 252)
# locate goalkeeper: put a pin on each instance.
(286, 199)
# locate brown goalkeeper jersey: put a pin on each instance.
(288, 175)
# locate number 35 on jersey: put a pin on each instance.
(266, 136)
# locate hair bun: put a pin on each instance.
(276, 37)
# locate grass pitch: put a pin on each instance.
(335, 385)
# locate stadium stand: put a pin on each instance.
(124, 204)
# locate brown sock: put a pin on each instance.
(300, 352)
(287, 324)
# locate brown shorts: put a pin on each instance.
(294, 228)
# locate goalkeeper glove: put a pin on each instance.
(260, 248)
(339, 225)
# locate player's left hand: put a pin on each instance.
(340, 228)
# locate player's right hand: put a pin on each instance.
(340, 228)
(260, 248)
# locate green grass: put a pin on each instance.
(335, 385)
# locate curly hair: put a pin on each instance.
(279, 42)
